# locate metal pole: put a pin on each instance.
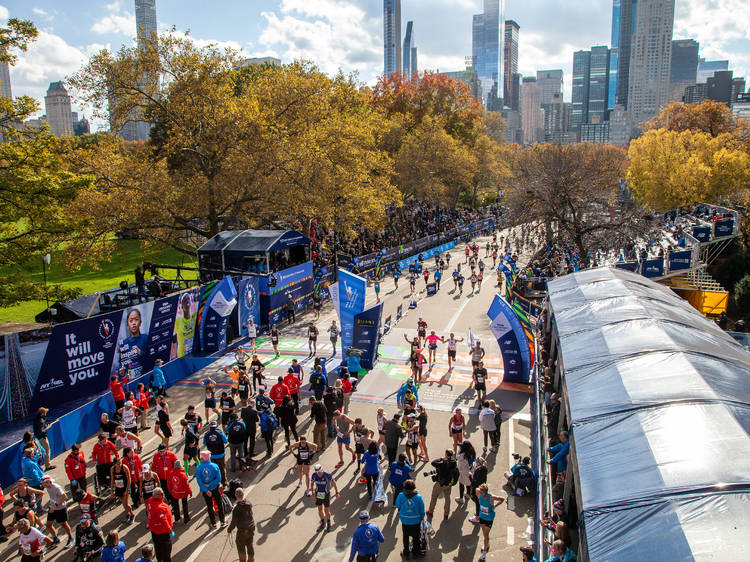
(45, 261)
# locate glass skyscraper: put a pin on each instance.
(409, 67)
(614, 54)
(391, 36)
(487, 49)
(145, 19)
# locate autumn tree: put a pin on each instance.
(575, 189)
(230, 147)
(711, 117)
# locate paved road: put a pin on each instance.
(286, 520)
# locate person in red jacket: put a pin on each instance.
(103, 455)
(118, 394)
(134, 464)
(159, 521)
(75, 468)
(346, 388)
(142, 397)
(163, 462)
(278, 391)
(293, 384)
(179, 489)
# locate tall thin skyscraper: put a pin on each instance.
(650, 56)
(598, 90)
(59, 110)
(683, 67)
(614, 54)
(5, 89)
(510, 61)
(409, 67)
(391, 37)
(487, 49)
(628, 10)
(145, 20)
(580, 93)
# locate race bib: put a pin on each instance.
(26, 548)
(480, 379)
(304, 455)
(484, 510)
(320, 495)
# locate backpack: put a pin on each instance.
(455, 475)
(226, 503)
(316, 379)
(272, 420)
(236, 429)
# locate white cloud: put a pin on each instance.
(4, 14)
(116, 24)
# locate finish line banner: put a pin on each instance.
(510, 335)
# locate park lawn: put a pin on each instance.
(121, 266)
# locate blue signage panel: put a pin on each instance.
(680, 260)
(352, 290)
(724, 228)
(653, 268)
(511, 337)
(702, 233)
(248, 305)
(219, 305)
(367, 333)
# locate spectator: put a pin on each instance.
(114, 548)
(560, 452)
(411, 512)
(393, 435)
(31, 470)
(208, 476)
(243, 521)
(159, 521)
(179, 491)
(40, 433)
(445, 477)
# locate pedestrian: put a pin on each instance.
(191, 444)
(120, 479)
(333, 334)
(362, 438)
(318, 382)
(288, 419)
(304, 452)
(40, 433)
(464, 460)
(149, 483)
(209, 477)
(487, 505)
(365, 540)
(179, 490)
(58, 512)
(293, 383)
(115, 387)
(412, 437)
(163, 426)
(140, 283)
(380, 420)
(236, 436)
(422, 432)
(268, 424)
(257, 368)
(487, 423)
(160, 522)
(498, 420)
(343, 426)
(370, 471)
(320, 485)
(438, 275)
(126, 439)
(243, 521)
(478, 477)
(317, 304)
(312, 339)
(147, 554)
(75, 468)
(289, 309)
(129, 416)
(161, 464)
(249, 415)
(432, 341)
(89, 540)
(141, 402)
(214, 440)
(346, 388)
(226, 403)
(377, 289)
(209, 402)
(412, 282)
(331, 403)
(411, 512)
(393, 434)
(103, 454)
(396, 275)
(445, 477)
(158, 380)
(318, 415)
(477, 354)
(114, 548)
(278, 392)
(243, 387)
(135, 467)
(400, 472)
(456, 426)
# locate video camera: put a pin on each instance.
(432, 473)
(517, 456)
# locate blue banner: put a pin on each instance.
(680, 260)
(295, 282)
(367, 333)
(352, 289)
(219, 305)
(702, 233)
(514, 347)
(431, 289)
(628, 266)
(724, 228)
(426, 254)
(248, 304)
(653, 268)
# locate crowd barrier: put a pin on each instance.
(83, 422)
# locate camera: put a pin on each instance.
(517, 456)
(432, 473)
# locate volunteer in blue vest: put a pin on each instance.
(208, 476)
(411, 512)
(214, 440)
(487, 505)
(398, 475)
(366, 539)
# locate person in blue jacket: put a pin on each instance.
(399, 474)
(408, 385)
(31, 469)
(560, 452)
(365, 540)
(208, 476)
(268, 423)
(215, 440)
(159, 382)
(318, 382)
(411, 512)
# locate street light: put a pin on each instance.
(336, 203)
(46, 259)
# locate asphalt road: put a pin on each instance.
(286, 520)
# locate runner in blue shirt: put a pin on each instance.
(365, 540)
(320, 485)
(487, 505)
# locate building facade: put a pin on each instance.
(468, 77)
(741, 106)
(5, 89)
(145, 20)
(580, 93)
(614, 54)
(620, 126)
(624, 41)
(532, 115)
(683, 68)
(487, 50)
(598, 89)
(510, 61)
(392, 37)
(706, 69)
(550, 83)
(650, 56)
(595, 133)
(59, 110)
(409, 63)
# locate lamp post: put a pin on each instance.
(336, 202)
(46, 259)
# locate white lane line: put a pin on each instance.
(523, 439)
(522, 416)
(511, 538)
(456, 315)
(511, 442)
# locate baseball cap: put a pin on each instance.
(410, 380)
(176, 464)
(364, 515)
(412, 415)
(458, 410)
(129, 403)
(213, 423)
(318, 467)
(146, 468)
(162, 447)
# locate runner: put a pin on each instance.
(227, 407)
(480, 382)
(89, 540)
(447, 259)
(455, 274)
(243, 388)
(209, 403)
(468, 252)
(127, 439)
(317, 304)
(437, 276)
(479, 281)
(426, 276)
(396, 275)
(298, 370)
(477, 354)
(380, 419)
(163, 427)
(412, 282)
(473, 280)
(87, 503)
(362, 438)
(452, 341)
(293, 384)
(421, 331)
(234, 372)
(432, 341)
(252, 332)
(413, 344)
(274, 333)
(31, 542)
(343, 425)
(456, 426)
(149, 483)
(129, 415)
(333, 334)
(422, 433)
(241, 356)
(487, 504)
(133, 462)
(120, 478)
(412, 436)
(312, 337)
(58, 512)
(460, 284)
(376, 286)
(409, 404)
(408, 386)
(494, 258)
(304, 452)
(320, 485)
(191, 444)
(417, 366)
(257, 367)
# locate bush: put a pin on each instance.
(742, 295)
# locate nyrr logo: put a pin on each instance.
(106, 329)
(52, 384)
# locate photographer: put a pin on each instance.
(444, 476)
(521, 476)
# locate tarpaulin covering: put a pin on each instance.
(658, 398)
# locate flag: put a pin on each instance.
(471, 340)
(378, 267)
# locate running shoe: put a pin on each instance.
(308, 493)
(329, 527)
(69, 542)
(321, 526)
(299, 483)
(56, 540)
(483, 556)
(474, 520)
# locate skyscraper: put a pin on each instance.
(532, 115)
(5, 89)
(409, 67)
(510, 61)
(59, 111)
(580, 93)
(598, 89)
(614, 54)
(487, 49)
(627, 24)
(683, 68)
(391, 36)
(550, 82)
(706, 69)
(145, 20)
(650, 55)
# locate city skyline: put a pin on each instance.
(290, 28)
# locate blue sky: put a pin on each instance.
(348, 34)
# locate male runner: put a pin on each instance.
(452, 341)
(320, 485)
(480, 382)
(312, 337)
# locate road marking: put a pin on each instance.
(523, 439)
(511, 442)
(456, 315)
(511, 538)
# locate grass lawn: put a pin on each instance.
(120, 267)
